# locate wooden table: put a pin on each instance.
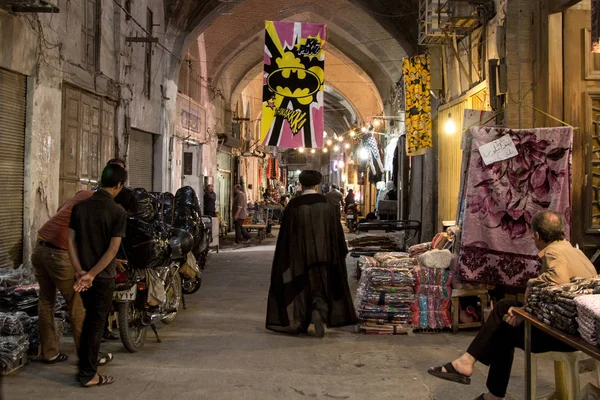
(573, 341)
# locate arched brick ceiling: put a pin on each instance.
(233, 33)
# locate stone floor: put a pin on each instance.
(218, 349)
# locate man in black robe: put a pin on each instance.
(309, 281)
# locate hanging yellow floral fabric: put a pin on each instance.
(417, 80)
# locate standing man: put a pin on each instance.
(53, 271)
(335, 198)
(95, 231)
(309, 280)
(210, 201)
(240, 210)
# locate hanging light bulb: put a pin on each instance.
(324, 149)
(340, 138)
(340, 164)
(301, 150)
(450, 126)
(376, 122)
(363, 129)
(352, 133)
(313, 151)
(347, 145)
(329, 142)
(363, 153)
(336, 148)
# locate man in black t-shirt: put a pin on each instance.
(95, 231)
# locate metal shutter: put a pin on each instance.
(13, 105)
(141, 160)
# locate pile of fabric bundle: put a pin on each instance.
(377, 242)
(588, 316)
(20, 298)
(14, 340)
(555, 304)
(418, 249)
(433, 291)
(385, 293)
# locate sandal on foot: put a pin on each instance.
(59, 358)
(318, 322)
(105, 358)
(451, 374)
(481, 397)
(102, 380)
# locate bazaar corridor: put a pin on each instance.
(219, 349)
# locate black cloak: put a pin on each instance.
(311, 236)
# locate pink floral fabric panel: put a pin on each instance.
(501, 198)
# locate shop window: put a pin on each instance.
(188, 163)
(148, 61)
(593, 167)
(91, 34)
(190, 81)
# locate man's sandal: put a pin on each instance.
(105, 358)
(102, 380)
(59, 358)
(451, 374)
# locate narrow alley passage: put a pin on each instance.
(218, 349)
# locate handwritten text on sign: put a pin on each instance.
(498, 150)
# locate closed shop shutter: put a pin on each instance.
(13, 105)
(141, 160)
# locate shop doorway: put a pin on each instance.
(141, 160)
(192, 169)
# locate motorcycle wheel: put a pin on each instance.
(191, 286)
(174, 294)
(133, 333)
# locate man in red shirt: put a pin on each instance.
(53, 270)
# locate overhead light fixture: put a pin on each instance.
(363, 153)
(340, 164)
(313, 151)
(336, 148)
(347, 145)
(450, 126)
(301, 150)
(340, 138)
(376, 122)
(352, 133)
(324, 149)
(363, 129)
(329, 142)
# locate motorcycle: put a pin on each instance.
(191, 274)
(351, 216)
(131, 301)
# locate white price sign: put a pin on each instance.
(498, 150)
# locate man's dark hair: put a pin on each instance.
(333, 186)
(549, 225)
(112, 175)
(116, 161)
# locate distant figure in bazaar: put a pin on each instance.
(210, 201)
(335, 197)
(350, 199)
(240, 210)
(309, 280)
(495, 343)
(96, 228)
(283, 200)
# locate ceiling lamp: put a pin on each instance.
(329, 142)
(450, 126)
(352, 133)
(376, 122)
(301, 150)
(324, 149)
(347, 145)
(312, 151)
(340, 138)
(336, 148)
(363, 129)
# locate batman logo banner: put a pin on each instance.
(293, 78)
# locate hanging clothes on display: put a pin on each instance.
(390, 149)
(497, 243)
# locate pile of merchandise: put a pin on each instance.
(555, 304)
(433, 291)
(372, 242)
(588, 316)
(14, 340)
(418, 249)
(385, 294)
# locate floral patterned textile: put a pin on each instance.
(418, 104)
(501, 198)
(588, 310)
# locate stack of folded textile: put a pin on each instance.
(385, 293)
(377, 242)
(555, 304)
(20, 298)
(588, 314)
(14, 340)
(418, 249)
(433, 291)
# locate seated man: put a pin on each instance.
(495, 344)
